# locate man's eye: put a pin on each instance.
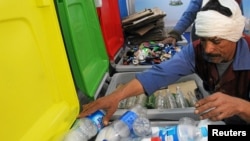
(202, 39)
(216, 41)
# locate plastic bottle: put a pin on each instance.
(171, 102)
(205, 123)
(141, 99)
(85, 128)
(142, 139)
(180, 98)
(160, 100)
(122, 104)
(141, 127)
(131, 139)
(192, 99)
(122, 127)
(130, 102)
(151, 139)
(151, 102)
(114, 132)
(186, 130)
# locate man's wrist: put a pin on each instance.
(175, 35)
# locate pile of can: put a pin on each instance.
(148, 53)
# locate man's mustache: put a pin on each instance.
(212, 55)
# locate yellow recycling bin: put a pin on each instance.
(38, 99)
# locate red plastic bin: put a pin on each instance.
(110, 21)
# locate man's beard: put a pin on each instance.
(210, 57)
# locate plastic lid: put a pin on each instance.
(38, 97)
(110, 21)
(84, 44)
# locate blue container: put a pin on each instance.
(123, 8)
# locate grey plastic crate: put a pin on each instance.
(157, 114)
(119, 67)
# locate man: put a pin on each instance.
(186, 21)
(221, 59)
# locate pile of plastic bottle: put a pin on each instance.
(148, 53)
(163, 99)
(134, 125)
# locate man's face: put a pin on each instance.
(217, 50)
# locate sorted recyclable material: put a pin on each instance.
(149, 53)
(163, 99)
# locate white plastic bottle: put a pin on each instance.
(180, 98)
(114, 132)
(85, 128)
(186, 130)
(171, 102)
(141, 99)
(160, 100)
(151, 139)
(141, 126)
(130, 102)
(122, 127)
(205, 123)
(142, 139)
(191, 99)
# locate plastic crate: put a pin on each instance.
(158, 114)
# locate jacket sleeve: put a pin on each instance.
(168, 72)
(186, 19)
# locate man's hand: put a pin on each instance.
(169, 40)
(219, 106)
(107, 103)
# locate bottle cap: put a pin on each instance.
(152, 139)
(155, 139)
(204, 131)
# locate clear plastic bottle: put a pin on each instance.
(160, 100)
(185, 130)
(141, 129)
(131, 139)
(141, 126)
(205, 123)
(142, 139)
(151, 139)
(114, 132)
(122, 104)
(85, 128)
(171, 102)
(180, 98)
(122, 127)
(141, 99)
(130, 102)
(192, 98)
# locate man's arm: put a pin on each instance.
(186, 19)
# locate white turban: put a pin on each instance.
(211, 23)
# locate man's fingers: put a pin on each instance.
(107, 117)
(205, 100)
(87, 110)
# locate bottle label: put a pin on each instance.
(97, 117)
(169, 134)
(128, 118)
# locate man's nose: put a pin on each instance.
(209, 47)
